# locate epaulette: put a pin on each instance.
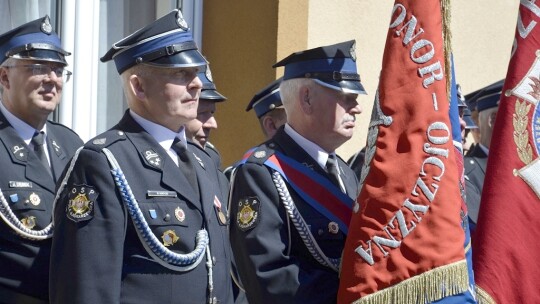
(210, 146)
(104, 140)
(261, 153)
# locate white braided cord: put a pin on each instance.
(301, 225)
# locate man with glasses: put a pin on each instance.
(33, 154)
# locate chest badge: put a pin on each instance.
(169, 237)
(34, 199)
(29, 222)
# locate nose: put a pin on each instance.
(356, 108)
(196, 83)
(51, 76)
(211, 123)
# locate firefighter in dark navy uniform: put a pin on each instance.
(136, 218)
(269, 110)
(198, 134)
(34, 151)
(285, 232)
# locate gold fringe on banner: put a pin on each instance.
(483, 297)
(430, 286)
(447, 40)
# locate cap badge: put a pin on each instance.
(46, 26)
(169, 237)
(181, 21)
(208, 74)
(353, 51)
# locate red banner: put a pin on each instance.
(506, 250)
(405, 242)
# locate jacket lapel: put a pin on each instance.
(156, 158)
(20, 154)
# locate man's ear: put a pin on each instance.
(492, 118)
(269, 124)
(4, 79)
(137, 86)
(305, 99)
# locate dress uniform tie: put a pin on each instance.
(185, 163)
(333, 171)
(38, 141)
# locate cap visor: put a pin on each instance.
(190, 58)
(352, 87)
(42, 55)
(212, 95)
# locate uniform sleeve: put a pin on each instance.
(260, 242)
(89, 233)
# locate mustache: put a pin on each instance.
(348, 118)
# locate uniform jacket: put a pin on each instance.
(273, 262)
(475, 162)
(100, 258)
(25, 263)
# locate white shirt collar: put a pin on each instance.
(24, 130)
(316, 152)
(162, 135)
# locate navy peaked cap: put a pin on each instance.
(485, 98)
(332, 66)
(266, 99)
(166, 42)
(34, 40)
(209, 91)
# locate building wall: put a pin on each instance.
(243, 38)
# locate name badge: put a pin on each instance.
(20, 184)
(157, 193)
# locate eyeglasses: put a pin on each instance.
(42, 70)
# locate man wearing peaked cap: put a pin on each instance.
(472, 197)
(285, 232)
(269, 109)
(33, 153)
(136, 219)
(198, 133)
(475, 161)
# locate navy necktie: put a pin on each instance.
(38, 141)
(185, 163)
(333, 171)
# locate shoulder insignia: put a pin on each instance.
(104, 140)
(262, 153)
(81, 203)
(248, 215)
